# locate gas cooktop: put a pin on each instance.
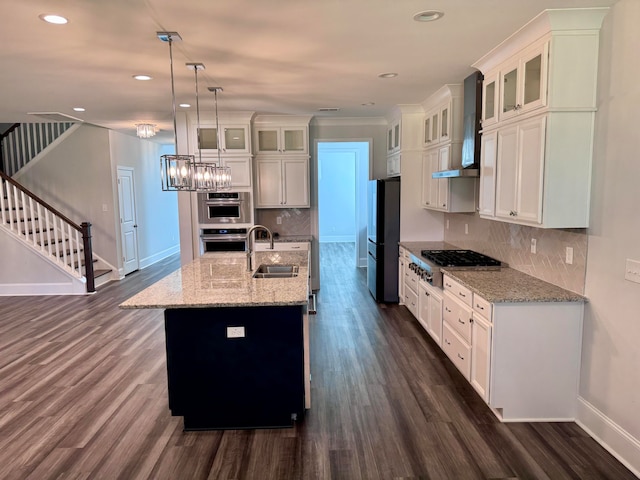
(459, 258)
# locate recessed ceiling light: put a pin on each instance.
(142, 77)
(428, 16)
(185, 105)
(78, 109)
(55, 19)
(388, 75)
(368, 104)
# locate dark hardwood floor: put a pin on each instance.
(83, 395)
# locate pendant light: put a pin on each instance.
(176, 170)
(223, 174)
(204, 173)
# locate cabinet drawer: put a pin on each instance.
(481, 306)
(282, 246)
(411, 279)
(411, 301)
(457, 315)
(457, 350)
(457, 290)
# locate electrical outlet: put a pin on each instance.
(105, 207)
(235, 332)
(534, 245)
(632, 271)
(569, 255)
(279, 220)
(447, 224)
(466, 229)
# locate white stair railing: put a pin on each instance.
(26, 140)
(46, 230)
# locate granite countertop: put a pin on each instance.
(507, 285)
(221, 279)
(286, 238)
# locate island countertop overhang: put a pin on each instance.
(218, 280)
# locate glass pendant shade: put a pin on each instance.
(177, 172)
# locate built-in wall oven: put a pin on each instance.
(224, 208)
(223, 240)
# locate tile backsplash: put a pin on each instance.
(295, 221)
(511, 243)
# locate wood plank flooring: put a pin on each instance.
(83, 395)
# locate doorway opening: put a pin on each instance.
(343, 173)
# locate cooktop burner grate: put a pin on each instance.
(459, 258)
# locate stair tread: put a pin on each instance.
(101, 272)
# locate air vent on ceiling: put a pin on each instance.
(55, 116)
(329, 109)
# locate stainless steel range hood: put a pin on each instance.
(471, 131)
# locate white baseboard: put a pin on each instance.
(150, 260)
(30, 289)
(615, 439)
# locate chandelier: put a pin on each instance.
(145, 130)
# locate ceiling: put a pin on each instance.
(270, 56)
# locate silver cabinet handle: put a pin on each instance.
(478, 306)
(460, 357)
(461, 321)
(462, 295)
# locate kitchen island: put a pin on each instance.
(237, 346)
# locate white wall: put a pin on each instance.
(75, 177)
(157, 211)
(610, 376)
(25, 272)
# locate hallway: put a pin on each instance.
(83, 395)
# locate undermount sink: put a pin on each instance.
(276, 271)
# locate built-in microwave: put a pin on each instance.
(224, 207)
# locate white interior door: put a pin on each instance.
(128, 224)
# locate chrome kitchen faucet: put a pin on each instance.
(250, 243)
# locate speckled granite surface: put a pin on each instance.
(222, 280)
(507, 285)
(287, 238)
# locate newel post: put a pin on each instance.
(88, 256)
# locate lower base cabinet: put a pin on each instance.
(220, 381)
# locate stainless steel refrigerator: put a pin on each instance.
(383, 235)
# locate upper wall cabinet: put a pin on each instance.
(442, 142)
(403, 137)
(538, 119)
(281, 135)
(234, 135)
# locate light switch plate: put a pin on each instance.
(632, 271)
(466, 229)
(534, 245)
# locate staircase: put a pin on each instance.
(34, 222)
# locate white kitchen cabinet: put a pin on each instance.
(394, 164)
(430, 310)
(403, 261)
(524, 81)
(480, 355)
(487, 197)
(234, 136)
(240, 168)
(453, 195)
(519, 174)
(490, 99)
(393, 136)
(522, 358)
(282, 182)
(281, 140)
(547, 88)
